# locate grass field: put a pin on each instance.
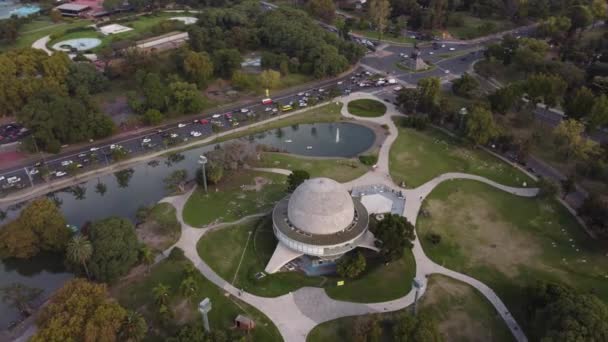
(39, 28)
(341, 170)
(223, 249)
(136, 294)
(366, 108)
(419, 156)
(325, 113)
(509, 242)
(230, 202)
(473, 27)
(378, 283)
(461, 313)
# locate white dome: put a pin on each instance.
(320, 206)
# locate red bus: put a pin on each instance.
(267, 101)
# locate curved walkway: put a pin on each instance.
(297, 313)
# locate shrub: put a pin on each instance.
(177, 254)
(369, 160)
(434, 238)
(417, 122)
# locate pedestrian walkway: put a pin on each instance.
(297, 313)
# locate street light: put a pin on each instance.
(419, 286)
(204, 307)
(203, 161)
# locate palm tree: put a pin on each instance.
(161, 294)
(189, 287)
(133, 327)
(146, 256)
(79, 251)
(100, 188)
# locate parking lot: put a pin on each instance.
(12, 132)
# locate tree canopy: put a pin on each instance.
(115, 248)
(40, 227)
(395, 233)
(480, 127)
(295, 178)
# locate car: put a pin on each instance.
(447, 71)
(340, 83)
(13, 180)
(442, 45)
(60, 173)
(2, 178)
(244, 110)
(204, 121)
(82, 155)
(80, 166)
(303, 104)
(431, 53)
(66, 162)
(114, 146)
(195, 134)
(216, 116)
(93, 149)
(452, 49)
(300, 94)
(267, 109)
(181, 125)
(321, 90)
(146, 140)
(274, 110)
(174, 135)
(34, 172)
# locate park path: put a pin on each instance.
(295, 314)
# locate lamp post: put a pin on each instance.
(419, 286)
(203, 161)
(204, 307)
(463, 113)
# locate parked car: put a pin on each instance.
(195, 134)
(181, 125)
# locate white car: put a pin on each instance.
(268, 109)
(447, 71)
(216, 116)
(13, 180)
(93, 149)
(174, 135)
(431, 53)
(146, 140)
(114, 146)
(66, 162)
(300, 94)
(2, 178)
(60, 174)
(195, 134)
(340, 83)
(274, 110)
(34, 172)
(181, 125)
(442, 45)
(452, 49)
(303, 104)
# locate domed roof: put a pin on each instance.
(320, 206)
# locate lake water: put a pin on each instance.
(143, 185)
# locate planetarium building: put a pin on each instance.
(319, 219)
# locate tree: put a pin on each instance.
(198, 67)
(123, 177)
(350, 266)
(570, 141)
(55, 16)
(185, 98)
(568, 185)
(176, 181)
(598, 115)
(580, 104)
(548, 88)
(323, 9)
(196, 332)
(154, 91)
(503, 99)
(366, 329)
(146, 257)
(40, 227)
(226, 61)
(396, 234)
(580, 17)
(133, 328)
(80, 311)
(115, 248)
(408, 99)
(379, 11)
(270, 79)
(416, 328)
(295, 178)
(465, 85)
(480, 126)
(20, 297)
(430, 94)
(555, 27)
(547, 188)
(79, 251)
(189, 287)
(153, 117)
(214, 171)
(161, 294)
(561, 314)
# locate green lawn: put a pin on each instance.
(223, 249)
(386, 37)
(367, 108)
(473, 27)
(419, 156)
(136, 294)
(341, 170)
(461, 313)
(509, 242)
(39, 28)
(325, 113)
(231, 202)
(378, 283)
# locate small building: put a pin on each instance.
(172, 40)
(73, 10)
(244, 323)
